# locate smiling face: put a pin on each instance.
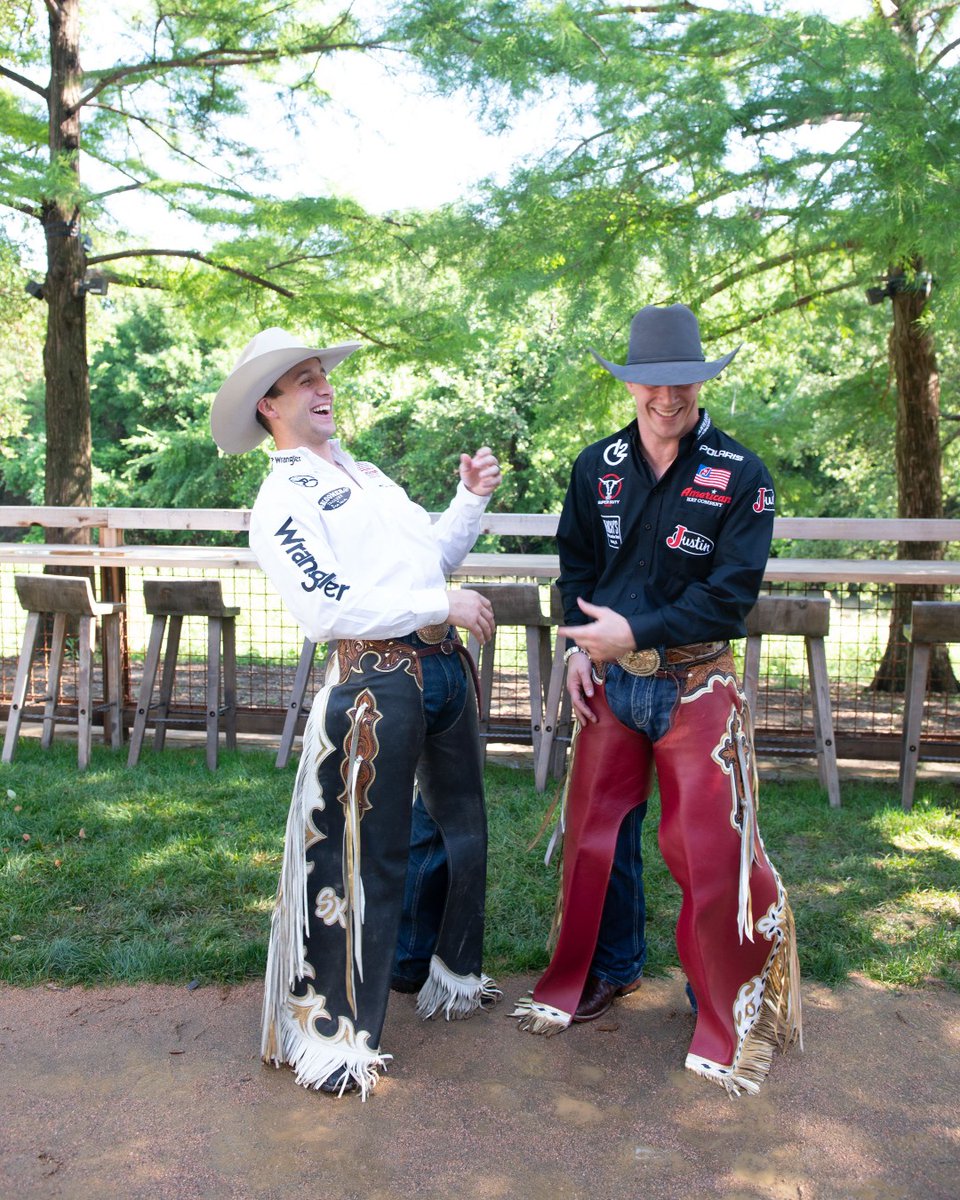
(665, 412)
(300, 408)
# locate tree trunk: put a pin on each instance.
(919, 492)
(68, 478)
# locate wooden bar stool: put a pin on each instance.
(515, 605)
(295, 703)
(931, 621)
(172, 600)
(807, 617)
(65, 596)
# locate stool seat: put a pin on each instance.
(807, 617)
(931, 622)
(170, 601)
(63, 597)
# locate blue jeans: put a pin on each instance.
(644, 703)
(425, 890)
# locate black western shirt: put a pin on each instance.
(682, 557)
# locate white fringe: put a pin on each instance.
(286, 957)
(316, 1058)
(459, 996)
(543, 1019)
(727, 1077)
(748, 853)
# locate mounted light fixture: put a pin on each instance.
(34, 289)
(921, 282)
(94, 282)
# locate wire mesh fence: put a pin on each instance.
(867, 719)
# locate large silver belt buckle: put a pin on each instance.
(640, 662)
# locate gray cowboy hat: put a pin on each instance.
(665, 349)
(233, 417)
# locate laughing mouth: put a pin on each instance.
(322, 410)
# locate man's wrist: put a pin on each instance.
(569, 653)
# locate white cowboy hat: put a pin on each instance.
(665, 349)
(233, 416)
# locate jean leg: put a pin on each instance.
(424, 894)
(621, 944)
(425, 889)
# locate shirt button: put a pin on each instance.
(633, 595)
(641, 563)
(648, 526)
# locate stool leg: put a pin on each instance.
(150, 664)
(823, 718)
(230, 680)
(85, 691)
(487, 661)
(166, 681)
(751, 671)
(295, 703)
(214, 633)
(53, 679)
(563, 735)
(114, 682)
(20, 684)
(536, 690)
(544, 761)
(918, 666)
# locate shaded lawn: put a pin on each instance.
(167, 872)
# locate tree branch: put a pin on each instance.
(197, 257)
(126, 187)
(211, 58)
(800, 302)
(25, 82)
(36, 213)
(769, 264)
(943, 53)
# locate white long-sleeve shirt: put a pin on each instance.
(351, 554)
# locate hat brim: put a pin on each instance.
(657, 374)
(233, 414)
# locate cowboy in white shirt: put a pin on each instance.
(361, 566)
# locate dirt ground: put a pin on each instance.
(158, 1092)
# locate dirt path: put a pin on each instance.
(158, 1092)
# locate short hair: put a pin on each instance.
(272, 392)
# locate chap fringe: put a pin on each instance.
(459, 996)
(778, 1024)
(539, 1018)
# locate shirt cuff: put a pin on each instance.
(470, 499)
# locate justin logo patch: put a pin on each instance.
(689, 541)
(764, 501)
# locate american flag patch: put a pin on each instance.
(711, 477)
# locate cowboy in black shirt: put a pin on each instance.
(663, 540)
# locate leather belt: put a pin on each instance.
(649, 662)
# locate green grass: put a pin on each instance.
(167, 872)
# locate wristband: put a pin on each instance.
(568, 654)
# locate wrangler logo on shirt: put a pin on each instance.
(294, 545)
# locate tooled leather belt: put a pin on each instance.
(438, 642)
(652, 662)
